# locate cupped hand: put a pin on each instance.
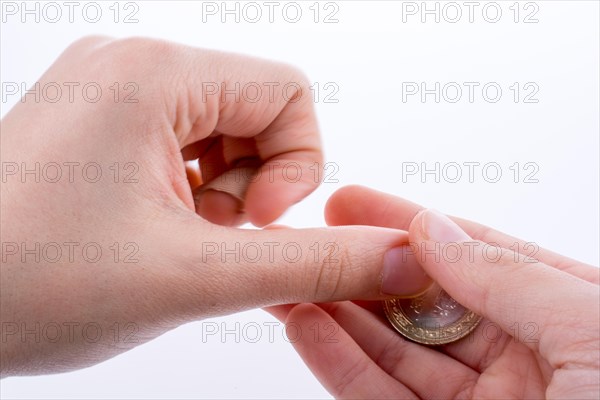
(106, 243)
(539, 337)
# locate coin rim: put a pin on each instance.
(400, 321)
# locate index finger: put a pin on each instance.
(196, 94)
(353, 205)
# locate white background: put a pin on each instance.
(368, 134)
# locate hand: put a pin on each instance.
(539, 337)
(102, 248)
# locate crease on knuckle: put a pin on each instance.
(332, 266)
(466, 390)
(578, 350)
(135, 57)
(347, 378)
(391, 352)
(483, 233)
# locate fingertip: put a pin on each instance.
(435, 226)
(339, 202)
(261, 216)
(305, 311)
(347, 191)
(402, 273)
(299, 319)
(280, 311)
(415, 229)
(219, 208)
(193, 174)
(267, 201)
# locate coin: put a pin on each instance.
(431, 318)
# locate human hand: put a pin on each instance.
(539, 337)
(102, 245)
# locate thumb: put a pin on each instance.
(224, 270)
(532, 301)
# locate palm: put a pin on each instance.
(512, 371)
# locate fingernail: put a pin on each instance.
(439, 228)
(402, 274)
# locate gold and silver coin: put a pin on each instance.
(431, 318)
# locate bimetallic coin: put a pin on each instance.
(431, 318)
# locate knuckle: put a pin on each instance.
(129, 59)
(345, 383)
(291, 73)
(295, 82)
(88, 42)
(81, 52)
(302, 83)
(144, 48)
(300, 77)
(483, 233)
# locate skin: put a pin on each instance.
(162, 217)
(169, 220)
(539, 337)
